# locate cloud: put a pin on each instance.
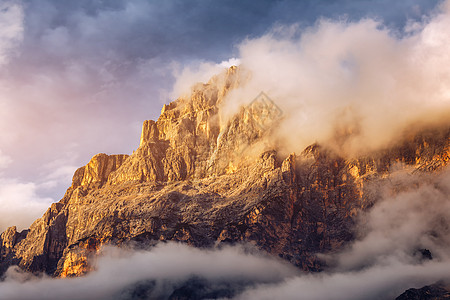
(168, 265)
(353, 85)
(58, 172)
(231, 62)
(20, 203)
(416, 218)
(198, 72)
(379, 282)
(11, 28)
(385, 260)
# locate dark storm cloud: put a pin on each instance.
(202, 29)
(145, 29)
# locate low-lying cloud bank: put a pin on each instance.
(413, 214)
(163, 268)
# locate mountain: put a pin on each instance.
(204, 180)
(430, 292)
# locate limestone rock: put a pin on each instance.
(202, 181)
(97, 170)
(180, 143)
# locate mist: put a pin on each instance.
(385, 259)
(166, 266)
(353, 85)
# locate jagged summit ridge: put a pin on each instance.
(176, 146)
(187, 140)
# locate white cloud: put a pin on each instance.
(357, 84)
(231, 62)
(59, 172)
(199, 72)
(167, 264)
(20, 200)
(384, 261)
(11, 28)
(379, 282)
(20, 204)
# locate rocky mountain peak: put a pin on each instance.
(199, 180)
(187, 140)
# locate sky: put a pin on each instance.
(79, 77)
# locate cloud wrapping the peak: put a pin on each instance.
(356, 85)
(81, 76)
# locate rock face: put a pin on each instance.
(97, 170)
(185, 140)
(202, 181)
(430, 292)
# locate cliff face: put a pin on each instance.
(180, 145)
(97, 170)
(191, 181)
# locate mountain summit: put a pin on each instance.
(203, 180)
